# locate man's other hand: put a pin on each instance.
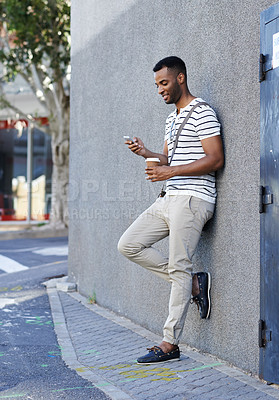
(160, 173)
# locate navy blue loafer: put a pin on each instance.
(156, 355)
(203, 298)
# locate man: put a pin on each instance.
(188, 204)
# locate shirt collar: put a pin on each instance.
(186, 108)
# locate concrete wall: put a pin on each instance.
(115, 45)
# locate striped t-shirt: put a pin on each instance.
(202, 124)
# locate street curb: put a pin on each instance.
(229, 370)
(69, 355)
(35, 233)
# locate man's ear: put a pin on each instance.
(180, 78)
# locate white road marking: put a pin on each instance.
(52, 251)
(6, 302)
(9, 265)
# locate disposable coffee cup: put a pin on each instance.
(152, 162)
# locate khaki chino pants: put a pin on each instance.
(181, 217)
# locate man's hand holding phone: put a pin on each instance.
(128, 139)
(135, 145)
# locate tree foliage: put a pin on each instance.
(35, 32)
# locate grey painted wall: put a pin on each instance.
(115, 45)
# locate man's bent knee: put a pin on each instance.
(122, 246)
(126, 248)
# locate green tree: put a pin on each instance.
(35, 43)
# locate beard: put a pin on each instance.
(173, 95)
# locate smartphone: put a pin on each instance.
(128, 138)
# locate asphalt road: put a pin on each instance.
(21, 254)
(31, 366)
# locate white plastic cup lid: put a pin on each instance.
(152, 159)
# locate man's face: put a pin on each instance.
(168, 86)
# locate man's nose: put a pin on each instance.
(160, 89)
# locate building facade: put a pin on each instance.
(15, 159)
(114, 48)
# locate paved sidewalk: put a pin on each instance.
(102, 347)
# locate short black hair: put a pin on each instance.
(171, 62)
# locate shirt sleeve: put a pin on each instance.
(206, 123)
